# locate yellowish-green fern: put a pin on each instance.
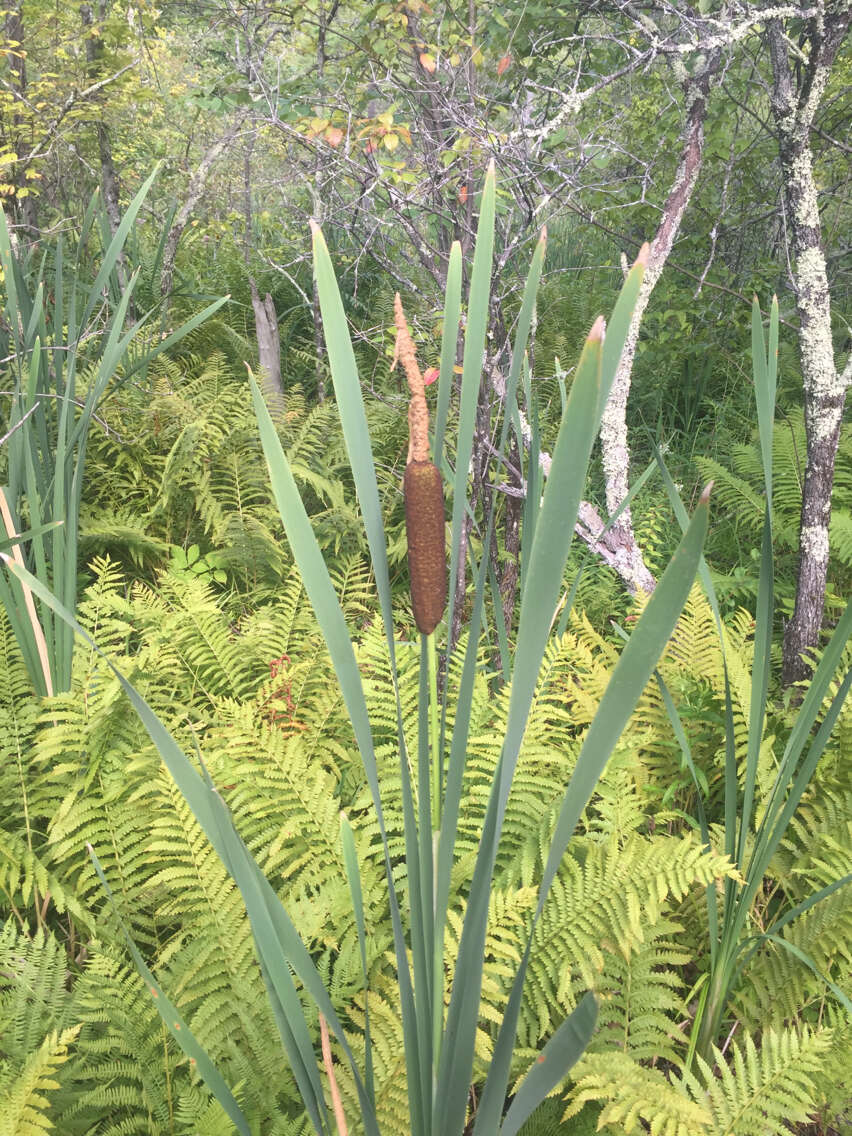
(24, 1102)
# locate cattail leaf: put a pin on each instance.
(353, 418)
(324, 601)
(547, 562)
(634, 668)
(764, 366)
(538, 606)
(113, 252)
(449, 340)
(474, 349)
(353, 876)
(174, 1021)
(562, 1051)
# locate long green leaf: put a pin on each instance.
(330, 617)
(174, 1021)
(113, 252)
(562, 1051)
(474, 349)
(353, 418)
(353, 876)
(449, 340)
(634, 668)
(798, 953)
(764, 382)
(547, 563)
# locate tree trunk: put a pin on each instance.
(269, 349)
(109, 178)
(824, 388)
(24, 201)
(194, 193)
(623, 551)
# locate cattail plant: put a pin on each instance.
(48, 345)
(423, 491)
(752, 835)
(439, 1004)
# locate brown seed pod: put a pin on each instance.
(427, 553)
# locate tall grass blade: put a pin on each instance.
(449, 340)
(113, 252)
(327, 609)
(353, 876)
(634, 668)
(474, 349)
(547, 564)
(764, 382)
(353, 418)
(562, 1051)
(174, 1021)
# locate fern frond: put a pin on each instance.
(634, 1096)
(24, 1102)
(760, 1091)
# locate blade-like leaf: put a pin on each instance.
(634, 668)
(175, 1022)
(324, 602)
(474, 348)
(563, 1051)
(449, 340)
(353, 875)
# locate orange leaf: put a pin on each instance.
(334, 136)
(427, 62)
(504, 64)
(430, 376)
(463, 194)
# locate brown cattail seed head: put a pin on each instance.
(418, 413)
(427, 554)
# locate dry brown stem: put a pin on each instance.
(336, 1103)
(418, 413)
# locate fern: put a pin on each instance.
(760, 1091)
(253, 690)
(23, 1102)
(634, 1096)
(739, 491)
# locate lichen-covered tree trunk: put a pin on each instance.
(824, 387)
(622, 546)
(194, 193)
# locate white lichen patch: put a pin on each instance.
(802, 179)
(813, 541)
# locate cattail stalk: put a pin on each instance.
(425, 532)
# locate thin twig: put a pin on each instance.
(17, 425)
(108, 430)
